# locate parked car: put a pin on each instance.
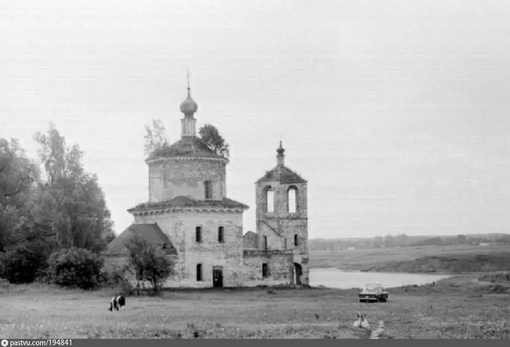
(373, 292)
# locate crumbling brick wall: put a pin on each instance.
(279, 267)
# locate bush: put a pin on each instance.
(114, 276)
(75, 267)
(23, 263)
(149, 264)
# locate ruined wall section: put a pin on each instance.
(180, 227)
(172, 177)
(279, 266)
(270, 236)
(303, 260)
(251, 240)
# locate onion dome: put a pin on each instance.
(189, 106)
(280, 149)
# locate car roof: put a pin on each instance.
(373, 285)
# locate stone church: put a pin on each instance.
(190, 217)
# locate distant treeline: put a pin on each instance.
(403, 240)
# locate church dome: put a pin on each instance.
(189, 106)
(280, 149)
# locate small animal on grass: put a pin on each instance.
(378, 333)
(361, 322)
(117, 302)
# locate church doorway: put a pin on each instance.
(217, 276)
(298, 273)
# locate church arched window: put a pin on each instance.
(292, 199)
(264, 246)
(268, 199)
(296, 240)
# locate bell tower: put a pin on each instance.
(282, 214)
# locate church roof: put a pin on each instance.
(188, 146)
(281, 174)
(186, 201)
(150, 232)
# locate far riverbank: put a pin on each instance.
(424, 259)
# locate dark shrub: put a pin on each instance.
(115, 276)
(23, 263)
(75, 267)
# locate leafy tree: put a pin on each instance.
(17, 173)
(70, 205)
(402, 240)
(503, 239)
(75, 267)
(18, 176)
(150, 264)
(210, 135)
(378, 241)
(154, 137)
(389, 241)
(23, 262)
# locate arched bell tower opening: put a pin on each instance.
(268, 199)
(292, 200)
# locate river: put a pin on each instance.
(335, 278)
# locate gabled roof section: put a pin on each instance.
(281, 174)
(150, 232)
(186, 201)
(188, 146)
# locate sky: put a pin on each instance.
(395, 112)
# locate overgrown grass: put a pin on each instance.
(459, 307)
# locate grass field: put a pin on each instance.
(458, 307)
(370, 259)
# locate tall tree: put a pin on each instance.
(210, 135)
(17, 172)
(18, 176)
(154, 137)
(70, 205)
